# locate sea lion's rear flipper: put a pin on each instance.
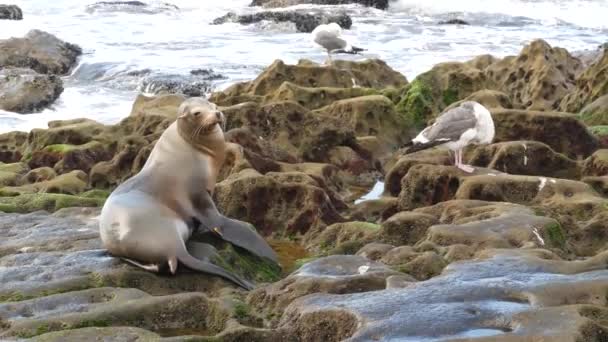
(243, 234)
(201, 250)
(150, 267)
(204, 265)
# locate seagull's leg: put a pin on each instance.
(463, 167)
(331, 62)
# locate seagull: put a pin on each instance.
(468, 124)
(328, 37)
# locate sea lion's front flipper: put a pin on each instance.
(201, 263)
(236, 232)
(243, 234)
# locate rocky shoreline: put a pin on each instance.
(514, 252)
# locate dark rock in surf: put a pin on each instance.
(305, 22)
(454, 22)
(39, 51)
(380, 4)
(25, 91)
(198, 83)
(10, 12)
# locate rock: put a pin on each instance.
(72, 183)
(165, 105)
(542, 297)
(305, 22)
(10, 12)
(128, 160)
(25, 91)
(342, 238)
(306, 135)
(31, 202)
(454, 22)
(372, 115)
(489, 99)
(372, 73)
(315, 98)
(392, 185)
(431, 92)
(136, 7)
(89, 334)
(405, 228)
(590, 85)
(374, 210)
(61, 133)
(375, 251)
(40, 174)
(545, 127)
(275, 207)
(40, 51)
(193, 85)
(596, 113)
(601, 134)
(332, 274)
(596, 164)
(12, 146)
(524, 158)
(380, 4)
(599, 184)
(10, 174)
(538, 78)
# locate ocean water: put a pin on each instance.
(118, 45)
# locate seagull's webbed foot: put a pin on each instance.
(466, 168)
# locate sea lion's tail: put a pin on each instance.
(205, 266)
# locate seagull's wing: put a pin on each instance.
(330, 41)
(450, 125)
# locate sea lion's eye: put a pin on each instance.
(197, 113)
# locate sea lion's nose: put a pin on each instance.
(218, 115)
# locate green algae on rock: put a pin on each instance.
(25, 203)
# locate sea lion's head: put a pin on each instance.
(199, 121)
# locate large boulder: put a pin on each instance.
(548, 128)
(372, 73)
(276, 203)
(40, 51)
(538, 78)
(25, 91)
(590, 85)
(304, 22)
(431, 92)
(10, 12)
(380, 4)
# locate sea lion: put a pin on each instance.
(148, 219)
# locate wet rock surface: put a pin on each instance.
(515, 251)
(304, 22)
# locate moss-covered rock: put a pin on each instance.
(536, 79)
(11, 174)
(27, 203)
(372, 115)
(313, 98)
(275, 207)
(545, 127)
(431, 92)
(164, 105)
(596, 164)
(596, 113)
(343, 238)
(590, 85)
(368, 74)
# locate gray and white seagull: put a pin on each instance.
(468, 124)
(328, 37)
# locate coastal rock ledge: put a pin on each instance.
(516, 251)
